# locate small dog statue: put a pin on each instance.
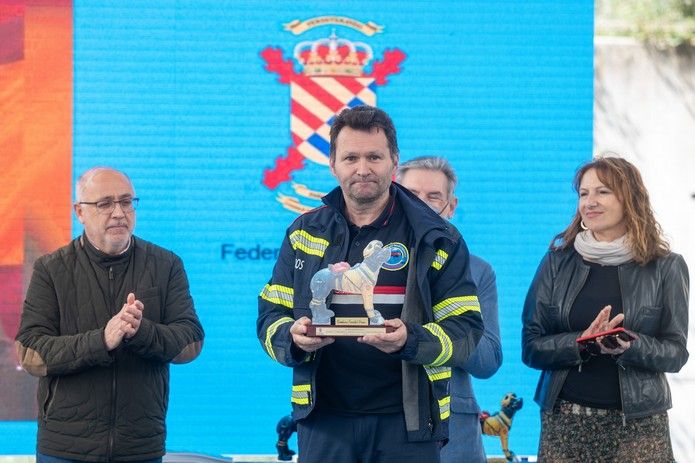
(500, 423)
(360, 278)
(285, 428)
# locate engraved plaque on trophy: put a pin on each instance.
(358, 279)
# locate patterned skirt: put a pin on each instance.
(574, 433)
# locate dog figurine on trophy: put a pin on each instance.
(359, 279)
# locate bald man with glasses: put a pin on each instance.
(103, 318)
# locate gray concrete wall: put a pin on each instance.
(644, 110)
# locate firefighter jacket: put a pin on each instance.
(440, 310)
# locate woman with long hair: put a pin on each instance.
(611, 267)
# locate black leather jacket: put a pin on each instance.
(655, 304)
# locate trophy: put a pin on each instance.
(358, 279)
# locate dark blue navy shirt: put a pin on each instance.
(358, 378)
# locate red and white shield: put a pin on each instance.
(314, 103)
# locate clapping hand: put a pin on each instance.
(603, 322)
(124, 324)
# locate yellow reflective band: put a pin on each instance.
(439, 259)
(310, 244)
(278, 294)
(270, 332)
(438, 373)
(455, 306)
(445, 407)
(444, 340)
(301, 394)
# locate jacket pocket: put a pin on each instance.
(152, 302)
(50, 397)
(648, 320)
(464, 405)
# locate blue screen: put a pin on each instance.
(180, 96)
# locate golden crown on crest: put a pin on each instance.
(333, 56)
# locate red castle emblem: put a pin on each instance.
(333, 77)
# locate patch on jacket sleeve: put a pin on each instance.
(31, 360)
(189, 353)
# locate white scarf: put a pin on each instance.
(614, 252)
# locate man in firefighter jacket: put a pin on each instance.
(380, 397)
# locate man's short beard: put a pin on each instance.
(363, 201)
(367, 200)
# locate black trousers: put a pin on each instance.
(330, 437)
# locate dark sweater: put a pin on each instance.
(596, 385)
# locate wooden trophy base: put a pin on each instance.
(354, 327)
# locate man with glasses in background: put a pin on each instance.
(102, 319)
(433, 180)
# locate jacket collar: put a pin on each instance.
(106, 260)
(422, 219)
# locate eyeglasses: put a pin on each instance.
(439, 212)
(436, 204)
(108, 205)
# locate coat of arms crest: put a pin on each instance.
(336, 73)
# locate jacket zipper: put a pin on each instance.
(111, 283)
(622, 409)
(557, 385)
(620, 383)
(112, 420)
(567, 313)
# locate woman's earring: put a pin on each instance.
(581, 224)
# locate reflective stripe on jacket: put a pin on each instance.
(441, 309)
